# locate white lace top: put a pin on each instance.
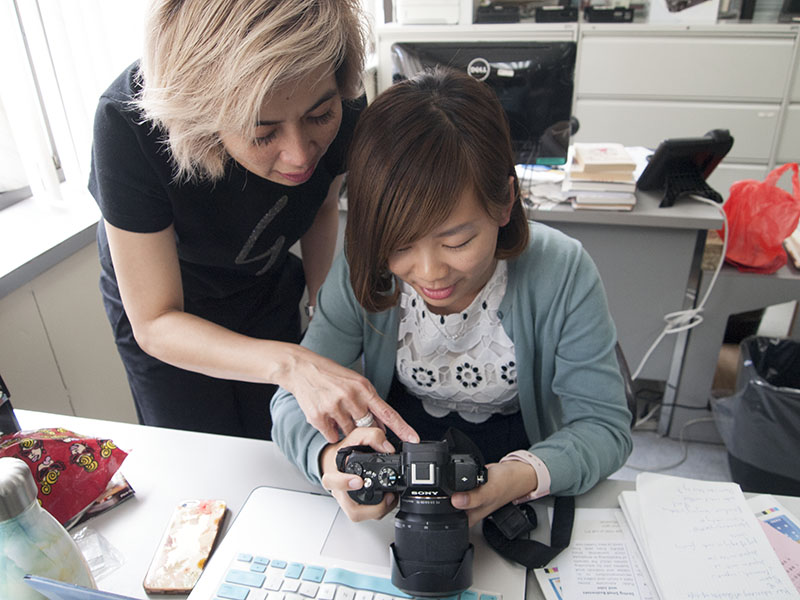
(461, 362)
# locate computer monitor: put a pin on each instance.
(533, 80)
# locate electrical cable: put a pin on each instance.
(647, 417)
(683, 320)
(684, 448)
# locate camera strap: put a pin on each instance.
(506, 531)
(507, 528)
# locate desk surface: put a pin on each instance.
(684, 214)
(166, 466)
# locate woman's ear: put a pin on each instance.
(505, 217)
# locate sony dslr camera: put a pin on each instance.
(431, 554)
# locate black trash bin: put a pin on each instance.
(760, 423)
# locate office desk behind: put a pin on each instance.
(649, 260)
(166, 466)
(734, 292)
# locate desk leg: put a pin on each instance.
(679, 352)
(734, 293)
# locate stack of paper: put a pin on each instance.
(679, 539)
(600, 176)
(700, 539)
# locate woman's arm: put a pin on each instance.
(149, 279)
(593, 437)
(319, 242)
(148, 275)
(336, 332)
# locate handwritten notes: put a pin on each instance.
(703, 542)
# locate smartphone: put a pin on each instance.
(185, 547)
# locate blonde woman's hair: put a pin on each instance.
(209, 65)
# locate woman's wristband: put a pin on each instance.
(542, 474)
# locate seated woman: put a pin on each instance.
(466, 315)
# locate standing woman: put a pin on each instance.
(212, 156)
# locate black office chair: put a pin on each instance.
(630, 397)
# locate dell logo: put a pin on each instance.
(479, 69)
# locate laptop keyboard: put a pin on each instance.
(252, 577)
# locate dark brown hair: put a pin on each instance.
(416, 149)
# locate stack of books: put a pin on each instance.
(600, 177)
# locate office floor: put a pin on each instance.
(652, 452)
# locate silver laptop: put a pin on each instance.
(277, 530)
(296, 545)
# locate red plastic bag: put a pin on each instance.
(760, 217)
(71, 471)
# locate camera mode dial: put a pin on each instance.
(387, 477)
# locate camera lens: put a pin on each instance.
(437, 541)
(432, 554)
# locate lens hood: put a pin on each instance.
(424, 579)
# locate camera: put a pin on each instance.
(431, 554)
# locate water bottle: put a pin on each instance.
(31, 540)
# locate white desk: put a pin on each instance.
(649, 260)
(166, 466)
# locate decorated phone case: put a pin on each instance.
(185, 547)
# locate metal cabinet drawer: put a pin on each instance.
(664, 66)
(646, 123)
(789, 148)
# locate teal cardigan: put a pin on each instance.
(571, 394)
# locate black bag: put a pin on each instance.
(760, 423)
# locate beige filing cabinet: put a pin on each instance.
(640, 84)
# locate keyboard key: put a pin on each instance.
(469, 595)
(255, 580)
(260, 560)
(309, 589)
(360, 581)
(364, 595)
(290, 585)
(313, 573)
(326, 591)
(258, 568)
(343, 593)
(294, 570)
(232, 592)
(279, 564)
(245, 557)
(274, 580)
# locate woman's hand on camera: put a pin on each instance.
(334, 398)
(507, 481)
(340, 483)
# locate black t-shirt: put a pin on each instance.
(232, 236)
